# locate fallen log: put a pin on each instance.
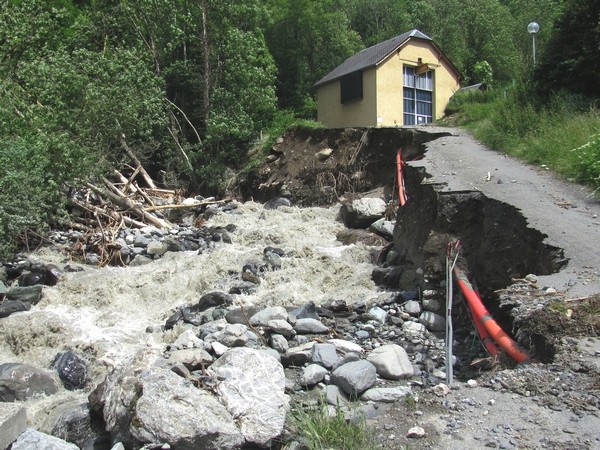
(129, 205)
(184, 206)
(138, 164)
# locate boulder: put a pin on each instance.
(8, 307)
(325, 355)
(310, 326)
(72, 370)
(251, 386)
(391, 361)
(313, 374)
(433, 322)
(13, 421)
(26, 294)
(32, 439)
(386, 395)
(363, 212)
(262, 317)
(22, 381)
(191, 358)
(143, 403)
(355, 377)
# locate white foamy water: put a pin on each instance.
(109, 313)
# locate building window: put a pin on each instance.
(351, 87)
(418, 97)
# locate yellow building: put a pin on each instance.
(406, 80)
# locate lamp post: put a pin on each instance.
(532, 29)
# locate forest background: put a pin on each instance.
(189, 85)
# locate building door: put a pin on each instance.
(418, 97)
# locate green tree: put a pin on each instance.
(307, 39)
(378, 20)
(571, 59)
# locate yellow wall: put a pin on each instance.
(382, 90)
(356, 113)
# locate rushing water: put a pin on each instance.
(108, 313)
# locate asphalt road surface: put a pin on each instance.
(567, 213)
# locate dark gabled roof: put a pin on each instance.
(370, 57)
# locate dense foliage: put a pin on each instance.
(188, 84)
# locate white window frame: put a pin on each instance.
(421, 110)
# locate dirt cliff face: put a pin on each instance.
(319, 166)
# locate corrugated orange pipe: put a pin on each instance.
(401, 191)
(482, 315)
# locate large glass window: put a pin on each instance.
(418, 96)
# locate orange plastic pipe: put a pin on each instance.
(401, 191)
(482, 315)
(485, 337)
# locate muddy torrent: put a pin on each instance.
(321, 167)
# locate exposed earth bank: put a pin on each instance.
(513, 220)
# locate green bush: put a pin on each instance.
(588, 159)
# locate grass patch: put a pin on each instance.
(318, 429)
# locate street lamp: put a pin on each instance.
(532, 29)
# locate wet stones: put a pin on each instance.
(22, 381)
(72, 370)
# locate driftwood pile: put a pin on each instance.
(101, 212)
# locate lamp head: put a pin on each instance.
(533, 28)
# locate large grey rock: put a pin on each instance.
(22, 381)
(299, 355)
(386, 395)
(233, 335)
(279, 343)
(241, 315)
(413, 328)
(191, 358)
(362, 212)
(251, 386)
(143, 403)
(13, 421)
(157, 248)
(325, 355)
(355, 377)
(391, 361)
(313, 374)
(433, 321)
(413, 307)
(8, 307)
(432, 304)
(334, 396)
(308, 310)
(72, 422)
(384, 228)
(27, 294)
(262, 317)
(310, 326)
(32, 439)
(282, 327)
